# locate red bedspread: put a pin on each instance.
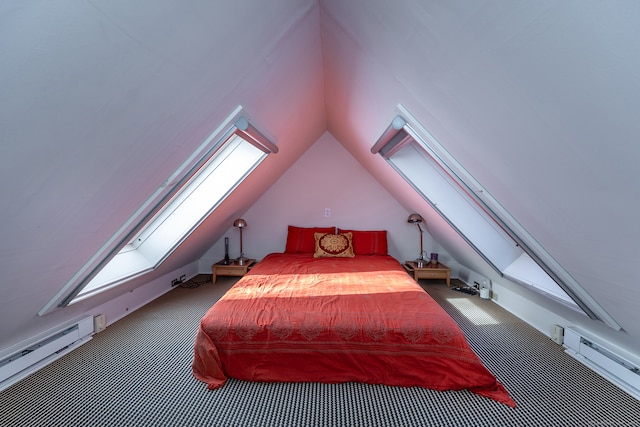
(296, 318)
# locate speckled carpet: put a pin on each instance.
(137, 373)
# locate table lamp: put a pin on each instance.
(240, 224)
(416, 219)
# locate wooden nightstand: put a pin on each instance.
(429, 271)
(233, 269)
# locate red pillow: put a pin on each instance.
(368, 242)
(300, 240)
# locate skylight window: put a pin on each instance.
(174, 211)
(477, 217)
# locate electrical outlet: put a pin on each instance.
(183, 278)
(557, 334)
(99, 323)
(176, 282)
(327, 212)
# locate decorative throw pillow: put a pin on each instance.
(333, 245)
(300, 240)
(368, 242)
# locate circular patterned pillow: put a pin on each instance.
(333, 245)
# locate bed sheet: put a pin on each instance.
(296, 318)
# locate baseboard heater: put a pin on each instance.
(35, 356)
(617, 369)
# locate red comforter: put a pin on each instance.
(296, 318)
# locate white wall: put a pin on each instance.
(326, 176)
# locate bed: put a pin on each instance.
(300, 317)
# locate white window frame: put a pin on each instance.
(173, 212)
(478, 217)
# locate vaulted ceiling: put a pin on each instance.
(101, 100)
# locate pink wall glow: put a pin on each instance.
(326, 176)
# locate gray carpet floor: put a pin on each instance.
(137, 373)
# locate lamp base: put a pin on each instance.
(241, 260)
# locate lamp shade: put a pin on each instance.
(240, 223)
(415, 218)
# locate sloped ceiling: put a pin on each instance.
(538, 100)
(102, 100)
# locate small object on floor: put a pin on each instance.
(196, 281)
(466, 289)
